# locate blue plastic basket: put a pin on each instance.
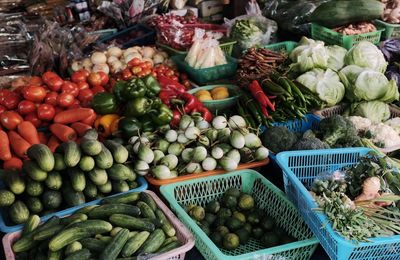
(300, 168)
(7, 227)
(146, 39)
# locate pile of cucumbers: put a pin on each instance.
(123, 226)
(74, 174)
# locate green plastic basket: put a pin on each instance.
(267, 197)
(285, 47)
(226, 47)
(391, 30)
(330, 37)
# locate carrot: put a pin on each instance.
(73, 115)
(80, 128)
(5, 151)
(63, 132)
(18, 144)
(29, 132)
(14, 163)
(53, 143)
(89, 120)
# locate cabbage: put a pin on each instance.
(309, 54)
(336, 57)
(366, 55)
(376, 111)
(324, 83)
(392, 93)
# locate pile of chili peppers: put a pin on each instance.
(174, 95)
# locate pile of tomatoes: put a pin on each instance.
(171, 73)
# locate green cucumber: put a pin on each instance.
(86, 163)
(90, 190)
(47, 233)
(34, 171)
(104, 160)
(66, 237)
(16, 183)
(169, 247)
(90, 134)
(51, 199)
(18, 212)
(7, 198)
(105, 188)
(145, 197)
(98, 176)
(146, 211)
(86, 209)
(55, 255)
(106, 210)
(72, 197)
(76, 217)
(169, 240)
(166, 226)
(93, 244)
(106, 239)
(119, 172)
(134, 243)
(126, 198)
(153, 243)
(33, 188)
(42, 155)
(91, 147)
(59, 163)
(131, 223)
(78, 180)
(82, 254)
(119, 152)
(72, 154)
(53, 180)
(34, 205)
(133, 233)
(112, 250)
(119, 186)
(73, 247)
(93, 226)
(115, 231)
(31, 224)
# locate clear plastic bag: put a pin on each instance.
(252, 8)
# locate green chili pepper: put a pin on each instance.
(151, 83)
(138, 106)
(162, 115)
(129, 126)
(105, 103)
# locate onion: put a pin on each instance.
(116, 66)
(101, 67)
(252, 141)
(131, 56)
(114, 51)
(111, 59)
(236, 122)
(98, 58)
(170, 160)
(209, 164)
(219, 122)
(261, 153)
(148, 52)
(164, 54)
(76, 65)
(129, 50)
(171, 136)
(87, 64)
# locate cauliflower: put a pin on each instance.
(384, 135)
(362, 124)
(394, 123)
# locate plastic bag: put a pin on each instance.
(252, 8)
(177, 4)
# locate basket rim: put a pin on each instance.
(393, 25)
(378, 30)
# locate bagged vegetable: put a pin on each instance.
(366, 55)
(309, 54)
(205, 53)
(196, 47)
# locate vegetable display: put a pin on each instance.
(216, 93)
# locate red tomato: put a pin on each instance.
(32, 117)
(65, 99)
(136, 70)
(148, 65)
(4, 93)
(55, 83)
(94, 79)
(85, 96)
(51, 98)
(75, 104)
(85, 72)
(10, 119)
(70, 87)
(11, 101)
(26, 107)
(103, 78)
(48, 75)
(126, 74)
(34, 93)
(46, 112)
(79, 76)
(2, 109)
(82, 85)
(98, 89)
(59, 109)
(35, 81)
(134, 62)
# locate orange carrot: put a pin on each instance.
(18, 144)
(14, 163)
(89, 120)
(43, 138)
(5, 151)
(53, 143)
(80, 128)
(29, 132)
(73, 115)
(63, 132)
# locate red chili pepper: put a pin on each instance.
(264, 111)
(258, 93)
(166, 96)
(176, 118)
(191, 102)
(167, 83)
(204, 112)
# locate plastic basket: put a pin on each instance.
(226, 47)
(203, 76)
(182, 233)
(330, 37)
(391, 30)
(300, 169)
(147, 37)
(285, 47)
(104, 33)
(157, 183)
(6, 226)
(267, 196)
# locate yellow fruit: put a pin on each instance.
(204, 97)
(202, 92)
(218, 89)
(220, 95)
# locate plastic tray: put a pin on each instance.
(7, 227)
(226, 47)
(157, 183)
(203, 76)
(267, 196)
(330, 37)
(300, 169)
(182, 233)
(146, 39)
(285, 47)
(391, 30)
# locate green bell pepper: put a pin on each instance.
(136, 88)
(151, 83)
(162, 115)
(129, 126)
(147, 124)
(138, 106)
(105, 103)
(119, 90)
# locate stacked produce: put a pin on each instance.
(197, 146)
(216, 93)
(357, 28)
(74, 174)
(167, 19)
(122, 226)
(235, 219)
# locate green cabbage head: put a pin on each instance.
(376, 111)
(366, 55)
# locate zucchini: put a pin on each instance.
(76, 217)
(42, 155)
(112, 250)
(16, 183)
(93, 244)
(98, 176)
(166, 225)
(91, 147)
(59, 163)
(146, 211)
(72, 197)
(122, 198)
(82, 254)
(86, 163)
(51, 199)
(119, 172)
(104, 160)
(72, 154)
(33, 188)
(73, 247)
(31, 224)
(34, 171)
(153, 243)
(18, 212)
(134, 243)
(119, 186)
(78, 180)
(169, 247)
(86, 209)
(105, 188)
(131, 223)
(53, 180)
(93, 226)
(145, 197)
(106, 210)
(47, 233)
(55, 255)
(119, 152)
(34, 205)
(66, 237)
(7, 198)
(90, 190)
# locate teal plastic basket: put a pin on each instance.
(267, 197)
(285, 47)
(300, 168)
(391, 30)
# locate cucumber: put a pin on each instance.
(104, 160)
(134, 243)
(119, 186)
(105, 188)
(112, 250)
(31, 224)
(18, 212)
(169, 247)
(86, 209)
(34, 171)
(90, 190)
(91, 147)
(16, 183)
(169, 240)
(93, 244)
(122, 198)
(78, 180)
(98, 176)
(132, 184)
(40, 256)
(53, 180)
(73, 247)
(42, 155)
(86, 163)
(106, 239)
(166, 226)
(93, 226)
(47, 233)
(57, 255)
(76, 217)
(119, 172)
(115, 231)
(82, 254)
(133, 233)
(133, 175)
(145, 197)
(59, 163)
(106, 210)
(66, 237)
(131, 223)
(146, 211)
(72, 197)
(33, 188)
(7, 198)
(72, 154)
(34, 205)
(153, 243)
(51, 199)
(119, 152)
(91, 134)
